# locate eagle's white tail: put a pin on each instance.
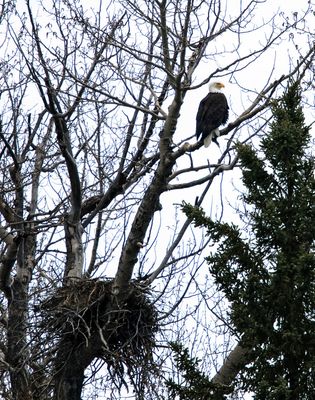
(207, 141)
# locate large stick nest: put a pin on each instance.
(85, 310)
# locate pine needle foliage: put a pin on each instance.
(195, 384)
(268, 272)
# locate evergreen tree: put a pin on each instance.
(268, 274)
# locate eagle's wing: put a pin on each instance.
(200, 117)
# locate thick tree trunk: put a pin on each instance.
(149, 204)
(73, 238)
(68, 386)
(17, 349)
(76, 351)
(232, 365)
(72, 360)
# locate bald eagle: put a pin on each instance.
(213, 111)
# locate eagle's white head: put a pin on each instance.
(215, 87)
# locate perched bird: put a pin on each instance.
(213, 111)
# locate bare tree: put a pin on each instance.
(91, 99)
